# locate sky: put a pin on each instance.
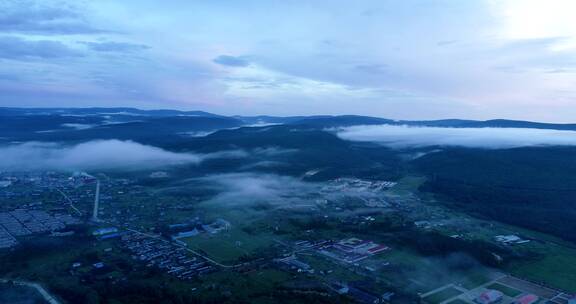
(399, 59)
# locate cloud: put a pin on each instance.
(37, 17)
(21, 49)
(257, 81)
(78, 126)
(265, 164)
(276, 191)
(372, 68)
(196, 133)
(490, 138)
(252, 188)
(231, 61)
(226, 154)
(377, 64)
(97, 155)
(115, 46)
(273, 151)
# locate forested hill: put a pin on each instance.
(530, 187)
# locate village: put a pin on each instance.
(189, 245)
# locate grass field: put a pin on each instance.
(407, 185)
(557, 268)
(229, 246)
(458, 301)
(436, 274)
(411, 262)
(254, 285)
(475, 279)
(336, 272)
(509, 291)
(442, 295)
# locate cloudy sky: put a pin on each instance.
(405, 59)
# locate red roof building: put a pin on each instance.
(489, 297)
(527, 299)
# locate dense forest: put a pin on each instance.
(530, 187)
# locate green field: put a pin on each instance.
(229, 246)
(407, 185)
(475, 280)
(254, 285)
(509, 291)
(334, 271)
(557, 268)
(458, 301)
(435, 275)
(442, 295)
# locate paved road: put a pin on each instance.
(47, 296)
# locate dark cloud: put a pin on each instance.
(115, 46)
(36, 17)
(231, 61)
(372, 68)
(21, 49)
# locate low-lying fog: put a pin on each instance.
(113, 154)
(489, 138)
(98, 154)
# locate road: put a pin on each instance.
(47, 296)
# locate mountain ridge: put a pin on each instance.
(126, 114)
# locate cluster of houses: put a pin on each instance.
(23, 222)
(194, 228)
(292, 263)
(169, 257)
(352, 250)
(360, 293)
(106, 233)
(359, 184)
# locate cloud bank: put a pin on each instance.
(272, 190)
(12, 47)
(252, 188)
(489, 138)
(97, 155)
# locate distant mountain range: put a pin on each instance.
(55, 117)
(529, 186)
(6, 111)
